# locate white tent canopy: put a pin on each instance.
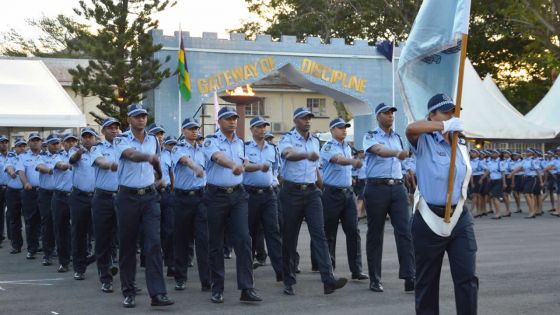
(30, 96)
(326, 136)
(493, 88)
(546, 112)
(485, 116)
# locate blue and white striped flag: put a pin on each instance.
(429, 62)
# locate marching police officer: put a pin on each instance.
(258, 181)
(4, 142)
(431, 142)
(300, 197)
(29, 177)
(83, 185)
(339, 201)
(47, 185)
(384, 194)
(13, 196)
(190, 212)
(62, 175)
(138, 208)
(226, 202)
(493, 170)
(105, 162)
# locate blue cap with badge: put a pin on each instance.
(189, 123)
(20, 141)
(109, 121)
(337, 123)
(506, 152)
(69, 136)
(136, 109)
(227, 112)
(170, 140)
(33, 136)
(258, 121)
(382, 108)
(88, 130)
(302, 112)
(3, 138)
(52, 138)
(441, 102)
(268, 134)
(155, 129)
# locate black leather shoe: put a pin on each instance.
(161, 300)
(258, 264)
(227, 256)
(114, 270)
(359, 276)
(30, 255)
(409, 285)
(46, 262)
(190, 264)
(180, 285)
(129, 302)
(249, 295)
(217, 297)
(331, 287)
(298, 270)
(62, 268)
(376, 287)
(171, 271)
(289, 290)
(15, 251)
(107, 287)
(79, 276)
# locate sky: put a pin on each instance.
(194, 16)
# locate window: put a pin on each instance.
(317, 106)
(255, 109)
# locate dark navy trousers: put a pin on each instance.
(32, 218)
(47, 225)
(134, 213)
(80, 215)
(381, 200)
(62, 226)
(3, 214)
(228, 210)
(167, 227)
(429, 249)
(104, 217)
(191, 225)
(13, 214)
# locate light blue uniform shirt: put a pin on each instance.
(303, 171)
(382, 167)
(166, 166)
(530, 166)
(362, 171)
(185, 177)
(255, 155)
(505, 166)
(516, 164)
(433, 155)
(26, 163)
(13, 160)
(493, 167)
(47, 181)
(133, 174)
(83, 175)
(105, 179)
(63, 179)
(476, 167)
(217, 174)
(3, 175)
(335, 174)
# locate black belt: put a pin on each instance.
(46, 190)
(61, 192)
(338, 189)
(138, 191)
(440, 210)
(258, 190)
(104, 192)
(227, 190)
(3, 187)
(165, 189)
(384, 181)
(82, 193)
(33, 188)
(298, 186)
(189, 192)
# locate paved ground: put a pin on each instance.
(518, 267)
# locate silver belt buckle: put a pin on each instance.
(229, 190)
(303, 187)
(191, 193)
(141, 191)
(391, 181)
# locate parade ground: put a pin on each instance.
(518, 266)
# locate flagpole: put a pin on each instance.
(457, 113)
(393, 78)
(179, 90)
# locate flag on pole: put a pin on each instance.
(183, 70)
(429, 62)
(216, 108)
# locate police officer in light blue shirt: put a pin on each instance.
(226, 201)
(258, 181)
(493, 171)
(187, 159)
(517, 179)
(138, 208)
(83, 185)
(47, 185)
(431, 142)
(4, 142)
(301, 197)
(13, 195)
(505, 166)
(105, 163)
(531, 188)
(384, 194)
(62, 175)
(339, 201)
(29, 177)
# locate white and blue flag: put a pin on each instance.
(429, 62)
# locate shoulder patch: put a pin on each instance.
(117, 140)
(211, 136)
(174, 149)
(207, 143)
(327, 147)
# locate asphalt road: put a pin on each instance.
(518, 265)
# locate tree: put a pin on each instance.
(121, 68)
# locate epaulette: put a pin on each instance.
(12, 154)
(372, 132)
(247, 142)
(60, 151)
(211, 136)
(43, 153)
(314, 136)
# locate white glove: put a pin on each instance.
(453, 124)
